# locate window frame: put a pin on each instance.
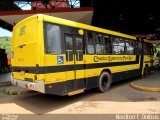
(45, 36)
(149, 50)
(93, 42)
(133, 45)
(118, 45)
(109, 43)
(71, 55)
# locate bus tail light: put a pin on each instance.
(50, 86)
(22, 72)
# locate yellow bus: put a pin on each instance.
(57, 56)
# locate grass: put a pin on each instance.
(5, 43)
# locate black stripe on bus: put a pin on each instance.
(63, 88)
(63, 68)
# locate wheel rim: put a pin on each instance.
(105, 82)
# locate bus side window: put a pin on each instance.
(90, 43)
(146, 49)
(98, 44)
(121, 46)
(79, 49)
(136, 48)
(69, 48)
(115, 44)
(107, 44)
(130, 47)
(52, 39)
(118, 45)
(139, 48)
(151, 49)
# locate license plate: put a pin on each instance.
(22, 72)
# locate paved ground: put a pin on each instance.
(120, 99)
(152, 81)
(5, 77)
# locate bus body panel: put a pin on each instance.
(27, 48)
(26, 44)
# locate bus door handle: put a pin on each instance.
(69, 55)
(79, 56)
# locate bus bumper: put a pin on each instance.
(36, 86)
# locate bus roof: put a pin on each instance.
(148, 41)
(78, 25)
(84, 26)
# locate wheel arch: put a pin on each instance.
(101, 88)
(106, 70)
(146, 65)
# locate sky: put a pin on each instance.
(4, 33)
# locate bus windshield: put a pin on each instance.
(52, 39)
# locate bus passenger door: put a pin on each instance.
(74, 57)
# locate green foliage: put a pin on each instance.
(158, 47)
(5, 43)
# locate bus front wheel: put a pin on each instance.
(104, 82)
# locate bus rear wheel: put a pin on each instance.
(104, 82)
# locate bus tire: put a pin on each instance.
(146, 71)
(104, 82)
